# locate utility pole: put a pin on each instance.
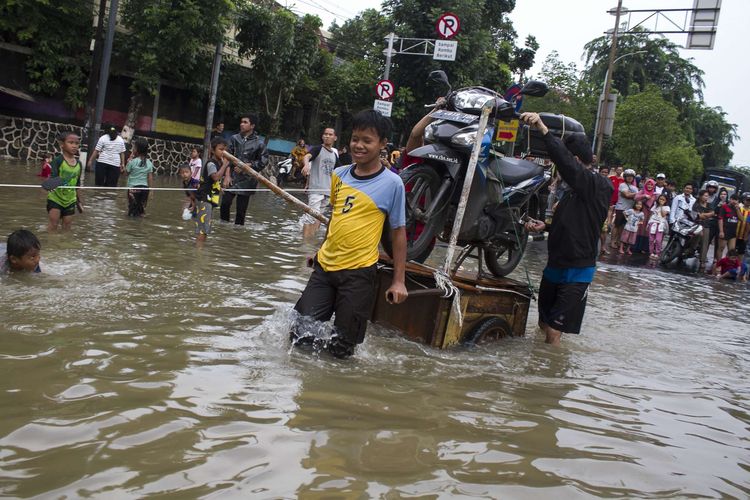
(96, 58)
(104, 71)
(608, 83)
(390, 38)
(212, 100)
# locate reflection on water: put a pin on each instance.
(137, 364)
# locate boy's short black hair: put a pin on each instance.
(183, 166)
(579, 145)
(369, 118)
(218, 140)
(252, 117)
(734, 197)
(702, 192)
(63, 136)
(20, 242)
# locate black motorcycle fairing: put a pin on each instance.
(515, 170)
(441, 154)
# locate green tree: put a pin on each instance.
(648, 134)
(712, 134)
(58, 34)
(569, 94)
(170, 41)
(660, 64)
(282, 47)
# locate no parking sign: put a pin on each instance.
(385, 89)
(448, 25)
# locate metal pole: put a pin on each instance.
(598, 116)
(106, 58)
(387, 72)
(470, 169)
(212, 100)
(96, 57)
(608, 82)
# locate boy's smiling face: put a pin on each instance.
(27, 262)
(365, 146)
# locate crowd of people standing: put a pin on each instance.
(643, 211)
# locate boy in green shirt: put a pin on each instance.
(62, 201)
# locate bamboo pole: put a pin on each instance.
(277, 190)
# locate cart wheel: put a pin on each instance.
(488, 329)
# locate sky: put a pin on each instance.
(567, 26)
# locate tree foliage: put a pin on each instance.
(282, 47)
(58, 34)
(648, 135)
(659, 64)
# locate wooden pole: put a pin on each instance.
(277, 190)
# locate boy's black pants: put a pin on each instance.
(349, 293)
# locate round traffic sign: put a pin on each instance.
(448, 25)
(385, 89)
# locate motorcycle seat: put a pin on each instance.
(515, 170)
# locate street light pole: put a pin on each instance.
(605, 98)
(608, 80)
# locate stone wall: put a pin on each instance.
(27, 139)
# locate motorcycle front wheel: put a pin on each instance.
(422, 184)
(503, 258)
(671, 253)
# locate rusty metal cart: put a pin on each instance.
(492, 308)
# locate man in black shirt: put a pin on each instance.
(572, 246)
(250, 149)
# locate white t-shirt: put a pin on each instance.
(109, 150)
(195, 167)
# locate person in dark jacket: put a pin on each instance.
(572, 246)
(250, 149)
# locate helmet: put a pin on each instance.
(712, 184)
(629, 171)
(746, 195)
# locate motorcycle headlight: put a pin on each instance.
(430, 131)
(470, 101)
(466, 137)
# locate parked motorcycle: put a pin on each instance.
(683, 242)
(504, 189)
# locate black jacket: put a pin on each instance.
(579, 217)
(250, 150)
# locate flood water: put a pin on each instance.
(139, 365)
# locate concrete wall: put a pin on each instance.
(28, 139)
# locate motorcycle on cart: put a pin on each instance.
(505, 190)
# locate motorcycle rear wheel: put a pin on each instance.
(422, 183)
(503, 260)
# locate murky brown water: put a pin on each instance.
(138, 365)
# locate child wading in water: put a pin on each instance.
(22, 253)
(62, 201)
(634, 217)
(210, 187)
(190, 205)
(140, 172)
(363, 196)
(657, 225)
(196, 164)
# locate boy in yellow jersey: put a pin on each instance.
(343, 281)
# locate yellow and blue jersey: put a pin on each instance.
(360, 206)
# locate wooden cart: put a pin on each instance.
(492, 308)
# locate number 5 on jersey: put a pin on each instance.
(348, 204)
